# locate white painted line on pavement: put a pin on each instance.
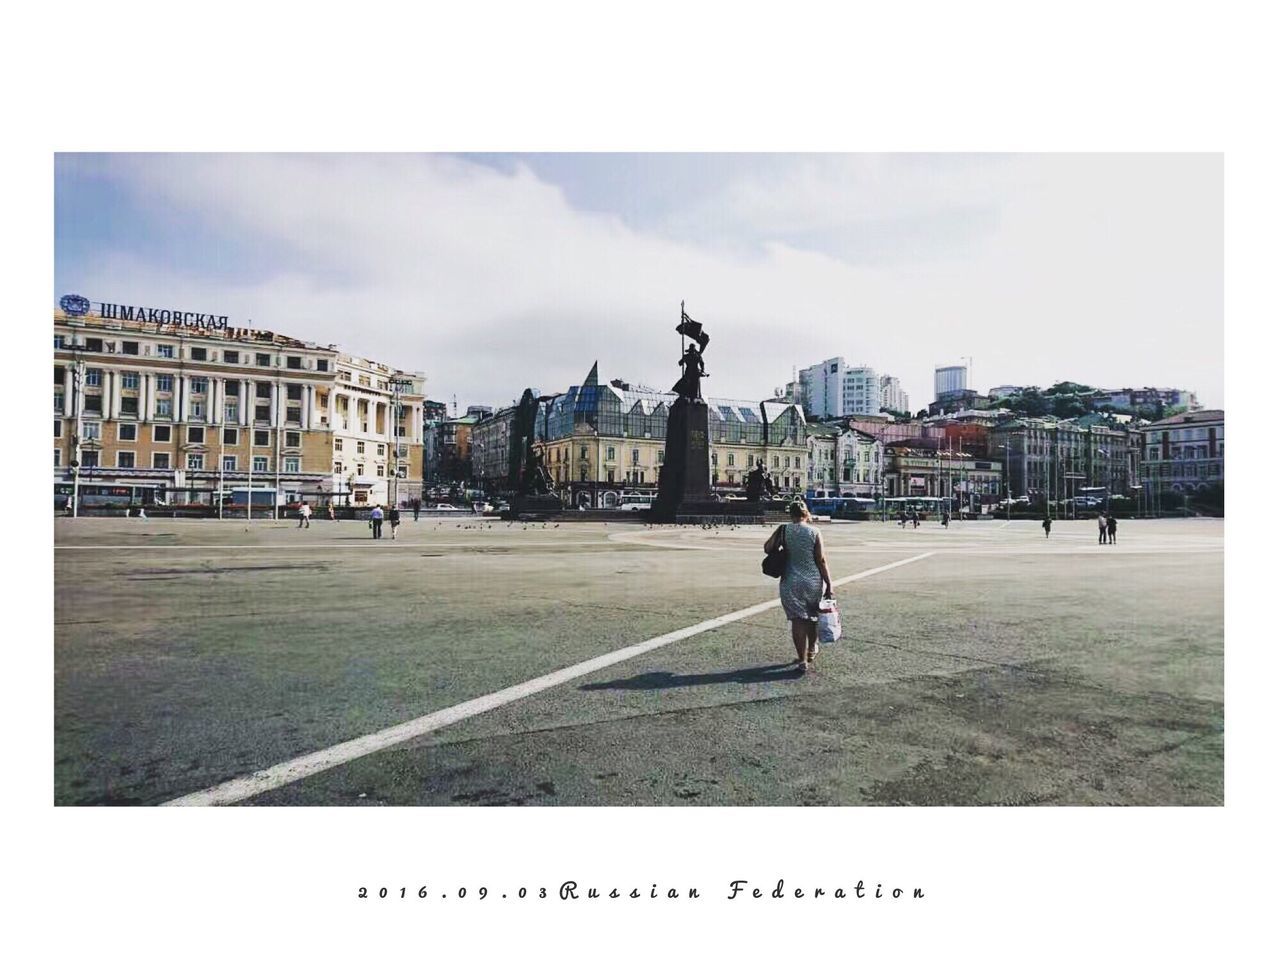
(371, 544)
(233, 791)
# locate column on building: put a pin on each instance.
(144, 397)
(107, 377)
(215, 401)
(68, 392)
(183, 385)
(308, 398)
(246, 401)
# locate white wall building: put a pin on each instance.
(892, 396)
(949, 380)
(833, 388)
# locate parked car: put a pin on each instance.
(446, 508)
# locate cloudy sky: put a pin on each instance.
(496, 272)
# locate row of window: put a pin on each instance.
(163, 433)
(127, 459)
(132, 348)
(379, 469)
(129, 380)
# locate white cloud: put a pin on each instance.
(1101, 269)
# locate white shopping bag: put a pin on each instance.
(828, 621)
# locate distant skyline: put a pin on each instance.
(495, 272)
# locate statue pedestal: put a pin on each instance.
(685, 478)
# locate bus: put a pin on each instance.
(840, 507)
(109, 494)
(636, 501)
(924, 506)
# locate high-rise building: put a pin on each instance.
(892, 396)
(833, 388)
(949, 380)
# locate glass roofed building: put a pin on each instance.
(606, 439)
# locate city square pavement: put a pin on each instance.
(997, 667)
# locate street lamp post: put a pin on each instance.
(77, 379)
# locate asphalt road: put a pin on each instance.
(1004, 668)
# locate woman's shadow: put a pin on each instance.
(663, 679)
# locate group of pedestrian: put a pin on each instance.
(1106, 528)
(905, 516)
(377, 516)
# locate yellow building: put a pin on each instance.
(186, 410)
(604, 440)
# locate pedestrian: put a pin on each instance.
(915, 520)
(394, 516)
(304, 515)
(332, 514)
(67, 507)
(417, 508)
(1102, 528)
(805, 582)
(946, 520)
(1111, 527)
(1047, 524)
(142, 513)
(375, 521)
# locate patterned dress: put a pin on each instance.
(801, 586)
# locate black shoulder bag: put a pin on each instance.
(775, 564)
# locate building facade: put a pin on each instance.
(968, 482)
(892, 396)
(949, 379)
(1184, 455)
(861, 462)
(822, 464)
(204, 414)
(833, 388)
(602, 440)
(1051, 459)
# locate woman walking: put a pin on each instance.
(805, 581)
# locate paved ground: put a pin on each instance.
(1003, 669)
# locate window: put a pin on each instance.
(164, 383)
(93, 344)
(231, 410)
(775, 463)
(88, 458)
(337, 444)
(292, 464)
(93, 377)
(59, 342)
(364, 380)
(359, 446)
(260, 464)
(57, 403)
(359, 469)
(609, 453)
(337, 466)
(229, 464)
(293, 391)
(262, 413)
(293, 363)
(293, 415)
(128, 432)
(199, 353)
(731, 459)
(322, 366)
(292, 439)
(262, 360)
(610, 476)
(161, 433)
(195, 461)
(93, 403)
(582, 453)
(195, 434)
(584, 474)
(199, 384)
(160, 461)
(129, 381)
(382, 450)
(129, 406)
(262, 438)
(230, 436)
(197, 409)
(230, 356)
(124, 458)
(635, 456)
(57, 457)
(164, 350)
(129, 347)
(381, 471)
(57, 428)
